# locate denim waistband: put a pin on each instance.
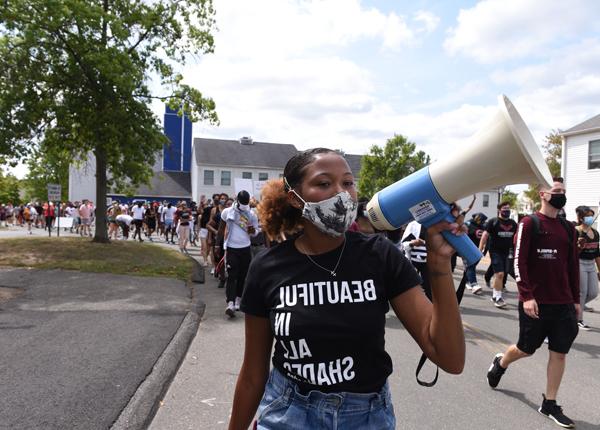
(341, 401)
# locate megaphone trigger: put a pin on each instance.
(460, 241)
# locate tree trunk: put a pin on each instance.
(101, 235)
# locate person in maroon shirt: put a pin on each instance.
(547, 274)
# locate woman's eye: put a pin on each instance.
(323, 184)
(349, 183)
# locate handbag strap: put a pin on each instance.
(459, 295)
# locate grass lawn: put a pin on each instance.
(73, 253)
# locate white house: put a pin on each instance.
(581, 165)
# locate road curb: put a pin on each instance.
(140, 411)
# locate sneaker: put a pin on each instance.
(230, 311)
(212, 271)
(499, 302)
(495, 371)
(238, 300)
(583, 326)
(550, 409)
(587, 308)
(476, 289)
(469, 287)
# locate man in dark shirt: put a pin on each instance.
(547, 272)
(500, 232)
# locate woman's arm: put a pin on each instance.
(254, 372)
(436, 327)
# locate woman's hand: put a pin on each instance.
(437, 246)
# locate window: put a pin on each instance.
(246, 175)
(594, 155)
(225, 177)
(486, 200)
(209, 177)
(262, 176)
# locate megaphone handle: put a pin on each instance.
(463, 245)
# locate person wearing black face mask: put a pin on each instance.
(241, 224)
(547, 273)
(500, 232)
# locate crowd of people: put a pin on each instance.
(44, 215)
(312, 274)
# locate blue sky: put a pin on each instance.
(349, 74)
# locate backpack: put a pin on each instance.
(27, 214)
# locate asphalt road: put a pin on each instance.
(74, 347)
(201, 393)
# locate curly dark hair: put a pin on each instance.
(275, 212)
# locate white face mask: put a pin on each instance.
(332, 216)
(243, 207)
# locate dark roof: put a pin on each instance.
(168, 184)
(233, 153)
(354, 163)
(592, 123)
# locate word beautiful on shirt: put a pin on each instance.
(297, 351)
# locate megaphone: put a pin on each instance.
(502, 153)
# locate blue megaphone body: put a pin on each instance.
(502, 153)
(415, 197)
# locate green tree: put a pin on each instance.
(509, 196)
(384, 166)
(552, 149)
(46, 167)
(9, 188)
(78, 76)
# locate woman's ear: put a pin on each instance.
(294, 200)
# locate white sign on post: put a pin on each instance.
(257, 186)
(54, 192)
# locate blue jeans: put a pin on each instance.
(283, 407)
(471, 273)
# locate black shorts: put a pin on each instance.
(556, 322)
(499, 262)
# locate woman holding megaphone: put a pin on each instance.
(322, 297)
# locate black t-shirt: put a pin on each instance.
(329, 330)
(184, 217)
(501, 233)
(475, 232)
(591, 248)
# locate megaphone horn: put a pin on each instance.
(502, 153)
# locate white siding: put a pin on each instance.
(194, 170)
(490, 211)
(583, 185)
(236, 172)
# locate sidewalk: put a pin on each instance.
(200, 395)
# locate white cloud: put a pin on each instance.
(428, 19)
(497, 30)
(292, 27)
(276, 73)
(570, 62)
